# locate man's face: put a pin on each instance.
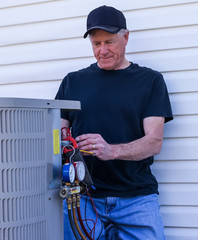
(109, 49)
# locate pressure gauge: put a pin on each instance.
(80, 170)
(68, 173)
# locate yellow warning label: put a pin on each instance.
(56, 141)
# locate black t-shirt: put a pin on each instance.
(114, 104)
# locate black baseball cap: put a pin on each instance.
(106, 18)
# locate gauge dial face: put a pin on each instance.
(80, 170)
(71, 173)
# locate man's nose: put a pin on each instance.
(104, 49)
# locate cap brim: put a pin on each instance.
(112, 30)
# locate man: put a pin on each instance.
(123, 110)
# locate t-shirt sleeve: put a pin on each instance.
(159, 102)
(61, 95)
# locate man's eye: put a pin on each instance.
(110, 42)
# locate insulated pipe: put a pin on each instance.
(69, 204)
(75, 218)
(80, 218)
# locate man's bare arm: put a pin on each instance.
(139, 149)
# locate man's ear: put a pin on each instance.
(126, 37)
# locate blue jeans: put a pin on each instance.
(135, 218)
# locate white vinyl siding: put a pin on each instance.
(41, 41)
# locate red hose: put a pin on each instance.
(80, 219)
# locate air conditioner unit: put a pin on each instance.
(30, 168)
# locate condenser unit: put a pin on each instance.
(30, 168)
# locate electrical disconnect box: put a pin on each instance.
(31, 168)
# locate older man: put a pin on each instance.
(124, 107)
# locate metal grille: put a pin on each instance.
(22, 174)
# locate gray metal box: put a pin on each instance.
(30, 168)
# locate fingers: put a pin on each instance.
(96, 144)
(90, 143)
(88, 136)
(63, 133)
(87, 140)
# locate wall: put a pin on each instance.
(41, 41)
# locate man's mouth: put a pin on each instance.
(105, 58)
